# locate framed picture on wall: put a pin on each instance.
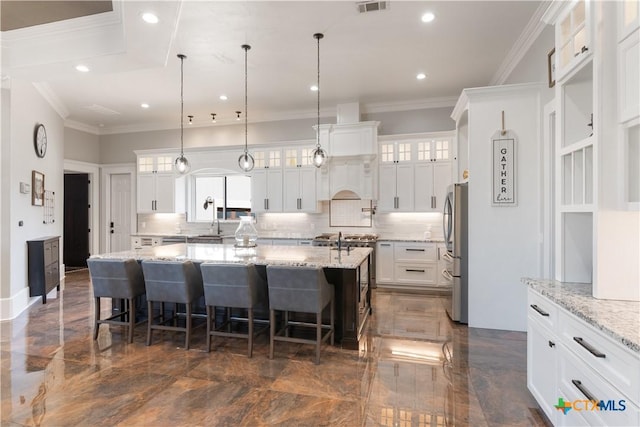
(37, 188)
(551, 67)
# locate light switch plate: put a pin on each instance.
(25, 188)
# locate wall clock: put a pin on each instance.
(40, 140)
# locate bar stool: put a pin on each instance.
(176, 282)
(300, 289)
(113, 278)
(233, 286)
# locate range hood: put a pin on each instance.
(352, 147)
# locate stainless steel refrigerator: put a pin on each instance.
(455, 223)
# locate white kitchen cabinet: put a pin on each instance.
(415, 172)
(409, 265)
(431, 182)
(629, 77)
(573, 36)
(568, 358)
(266, 190)
(384, 263)
(542, 351)
(300, 181)
(396, 189)
(155, 184)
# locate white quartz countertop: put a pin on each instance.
(619, 320)
(295, 256)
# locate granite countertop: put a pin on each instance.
(295, 256)
(410, 239)
(619, 320)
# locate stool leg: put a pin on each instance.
(97, 312)
(188, 325)
(286, 323)
(150, 321)
(318, 336)
(250, 349)
(132, 318)
(228, 319)
(272, 326)
(333, 318)
(209, 328)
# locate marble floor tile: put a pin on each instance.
(414, 368)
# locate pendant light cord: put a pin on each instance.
(181, 104)
(246, 47)
(318, 37)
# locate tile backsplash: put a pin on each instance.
(386, 225)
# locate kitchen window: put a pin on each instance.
(231, 193)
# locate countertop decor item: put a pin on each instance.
(319, 155)
(40, 140)
(245, 161)
(182, 164)
(246, 233)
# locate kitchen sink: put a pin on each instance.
(205, 238)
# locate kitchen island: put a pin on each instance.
(347, 270)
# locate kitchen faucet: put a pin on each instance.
(339, 241)
(214, 219)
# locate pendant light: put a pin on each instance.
(182, 164)
(319, 156)
(245, 161)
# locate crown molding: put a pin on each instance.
(527, 38)
(50, 96)
(72, 124)
(422, 104)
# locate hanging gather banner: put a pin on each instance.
(504, 169)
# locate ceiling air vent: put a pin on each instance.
(372, 6)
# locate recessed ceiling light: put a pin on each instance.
(82, 68)
(223, 97)
(314, 88)
(144, 105)
(428, 17)
(149, 18)
(421, 76)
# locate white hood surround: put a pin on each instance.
(352, 149)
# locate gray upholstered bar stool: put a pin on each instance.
(113, 278)
(233, 286)
(300, 289)
(176, 282)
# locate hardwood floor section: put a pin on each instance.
(415, 368)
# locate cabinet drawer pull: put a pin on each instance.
(539, 310)
(589, 347)
(414, 250)
(413, 270)
(584, 391)
(385, 244)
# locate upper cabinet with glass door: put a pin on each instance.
(573, 36)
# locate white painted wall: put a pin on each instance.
(26, 109)
(504, 242)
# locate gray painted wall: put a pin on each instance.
(533, 67)
(118, 148)
(81, 146)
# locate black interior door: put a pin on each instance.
(76, 220)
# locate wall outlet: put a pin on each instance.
(143, 224)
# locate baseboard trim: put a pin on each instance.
(10, 308)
